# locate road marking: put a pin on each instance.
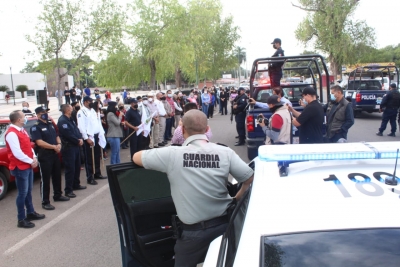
(53, 222)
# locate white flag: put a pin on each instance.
(145, 127)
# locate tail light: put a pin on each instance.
(358, 97)
(250, 123)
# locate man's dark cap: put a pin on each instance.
(308, 91)
(112, 104)
(133, 100)
(273, 100)
(40, 110)
(139, 97)
(241, 88)
(87, 98)
(393, 85)
(277, 40)
(74, 103)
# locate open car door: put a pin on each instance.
(143, 206)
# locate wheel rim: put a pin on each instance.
(1, 186)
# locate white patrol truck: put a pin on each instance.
(338, 206)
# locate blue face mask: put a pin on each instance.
(44, 116)
(25, 120)
(333, 97)
(305, 102)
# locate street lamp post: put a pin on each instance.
(12, 85)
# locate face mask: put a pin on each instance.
(25, 108)
(135, 106)
(305, 102)
(91, 105)
(333, 98)
(44, 117)
(150, 100)
(77, 108)
(25, 120)
(170, 95)
(145, 102)
(162, 98)
(101, 115)
(121, 108)
(274, 46)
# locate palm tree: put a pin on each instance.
(241, 55)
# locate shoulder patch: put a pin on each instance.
(65, 126)
(33, 128)
(79, 115)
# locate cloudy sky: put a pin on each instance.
(260, 21)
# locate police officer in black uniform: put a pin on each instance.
(48, 146)
(275, 69)
(390, 106)
(133, 120)
(239, 109)
(71, 139)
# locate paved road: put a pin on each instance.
(83, 231)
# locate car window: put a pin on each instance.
(368, 247)
(140, 185)
(293, 94)
(365, 85)
(263, 95)
(3, 128)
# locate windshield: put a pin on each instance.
(4, 127)
(365, 85)
(370, 247)
(292, 93)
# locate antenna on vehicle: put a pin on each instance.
(391, 180)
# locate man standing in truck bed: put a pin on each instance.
(275, 69)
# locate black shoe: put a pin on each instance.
(237, 136)
(239, 144)
(379, 134)
(100, 177)
(48, 206)
(70, 195)
(161, 144)
(169, 138)
(124, 147)
(283, 171)
(35, 216)
(61, 198)
(25, 224)
(92, 182)
(392, 134)
(81, 187)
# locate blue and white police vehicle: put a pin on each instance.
(338, 206)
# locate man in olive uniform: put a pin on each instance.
(275, 69)
(239, 109)
(198, 173)
(72, 140)
(48, 146)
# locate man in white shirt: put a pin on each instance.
(89, 124)
(162, 114)
(155, 129)
(22, 161)
(78, 94)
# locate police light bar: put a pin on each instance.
(335, 151)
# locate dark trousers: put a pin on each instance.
(275, 78)
(191, 248)
(67, 100)
(168, 128)
(337, 136)
(240, 127)
(389, 115)
(125, 132)
(143, 142)
(89, 158)
(224, 105)
(133, 144)
(50, 168)
(210, 111)
(72, 166)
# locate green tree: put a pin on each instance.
(329, 26)
(65, 27)
(4, 88)
(22, 89)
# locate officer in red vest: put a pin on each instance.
(22, 161)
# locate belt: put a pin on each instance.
(206, 224)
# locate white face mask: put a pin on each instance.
(145, 102)
(25, 108)
(169, 95)
(150, 100)
(101, 115)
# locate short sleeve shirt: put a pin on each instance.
(44, 131)
(198, 174)
(133, 117)
(311, 120)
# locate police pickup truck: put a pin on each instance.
(338, 206)
(260, 90)
(363, 91)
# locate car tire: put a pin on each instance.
(252, 153)
(3, 186)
